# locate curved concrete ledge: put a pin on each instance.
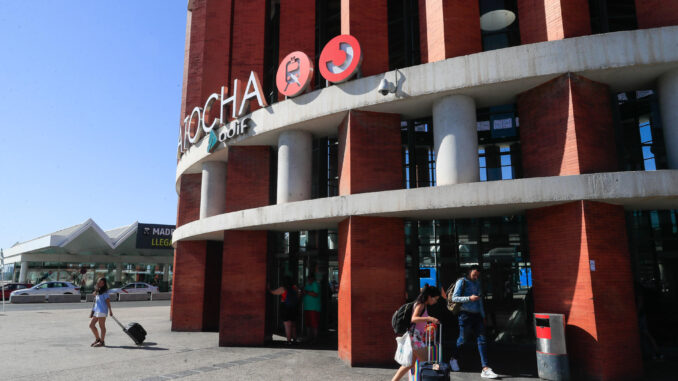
(627, 60)
(633, 190)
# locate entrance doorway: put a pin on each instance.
(499, 246)
(297, 256)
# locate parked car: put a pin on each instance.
(135, 288)
(9, 287)
(49, 288)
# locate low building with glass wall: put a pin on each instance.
(541, 145)
(83, 253)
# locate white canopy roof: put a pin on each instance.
(86, 242)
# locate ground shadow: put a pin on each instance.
(148, 346)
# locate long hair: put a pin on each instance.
(288, 283)
(426, 292)
(100, 290)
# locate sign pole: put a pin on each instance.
(2, 278)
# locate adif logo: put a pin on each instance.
(212, 143)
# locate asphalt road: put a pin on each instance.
(74, 306)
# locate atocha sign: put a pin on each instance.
(339, 61)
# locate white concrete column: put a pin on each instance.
(455, 140)
(294, 166)
(118, 273)
(668, 104)
(213, 189)
(23, 272)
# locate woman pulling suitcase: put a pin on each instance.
(428, 297)
(102, 307)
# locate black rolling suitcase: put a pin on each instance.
(434, 370)
(134, 330)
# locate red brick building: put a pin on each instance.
(535, 138)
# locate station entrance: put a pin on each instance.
(297, 256)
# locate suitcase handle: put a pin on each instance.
(120, 324)
(440, 344)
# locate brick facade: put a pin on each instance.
(207, 63)
(189, 198)
(248, 177)
(297, 30)
(371, 287)
(370, 157)
(448, 28)
(188, 286)
(548, 20)
(656, 13)
(248, 43)
(566, 128)
(243, 277)
(243, 288)
(367, 20)
(602, 330)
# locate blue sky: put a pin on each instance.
(90, 95)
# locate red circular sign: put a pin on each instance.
(294, 74)
(341, 58)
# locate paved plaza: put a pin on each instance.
(52, 341)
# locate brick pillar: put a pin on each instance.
(206, 56)
(243, 279)
(448, 28)
(656, 13)
(371, 250)
(297, 30)
(188, 287)
(548, 20)
(371, 287)
(185, 312)
(370, 157)
(367, 20)
(566, 128)
(599, 306)
(243, 288)
(248, 43)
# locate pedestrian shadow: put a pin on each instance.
(149, 346)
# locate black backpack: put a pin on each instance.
(402, 318)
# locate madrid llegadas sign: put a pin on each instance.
(339, 61)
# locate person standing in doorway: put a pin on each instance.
(468, 292)
(289, 294)
(102, 307)
(312, 306)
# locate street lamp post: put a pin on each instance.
(2, 278)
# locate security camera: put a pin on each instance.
(386, 87)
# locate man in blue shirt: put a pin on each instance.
(467, 291)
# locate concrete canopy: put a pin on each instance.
(86, 243)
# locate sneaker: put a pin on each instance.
(454, 365)
(488, 373)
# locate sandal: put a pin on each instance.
(100, 344)
(95, 342)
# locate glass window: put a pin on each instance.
(640, 139)
(419, 166)
(612, 15)
(403, 34)
(499, 35)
